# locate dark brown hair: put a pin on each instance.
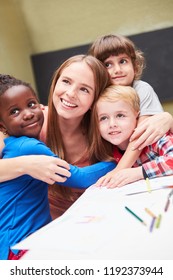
(108, 45)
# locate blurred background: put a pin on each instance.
(30, 28)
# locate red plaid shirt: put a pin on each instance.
(156, 159)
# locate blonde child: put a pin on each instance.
(114, 118)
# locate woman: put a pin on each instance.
(75, 87)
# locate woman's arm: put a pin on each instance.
(83, 177)
(30, 156)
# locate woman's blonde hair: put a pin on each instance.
(103, 150)
(111, 44)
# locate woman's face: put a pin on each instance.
(74, 91)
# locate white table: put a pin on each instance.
(98, 226)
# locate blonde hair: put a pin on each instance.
(115, 93)
(111, 44)
(101, 79)
(103, 150)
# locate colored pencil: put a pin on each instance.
(148, 185)
(136, 216)
(152, 224)
(150, 213)
(158, 221)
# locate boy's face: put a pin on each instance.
(20, 112)
(121, 69)
(117, 121)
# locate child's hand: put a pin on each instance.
(120, 178)
(151, 129)
(105, 180)
(46, 168)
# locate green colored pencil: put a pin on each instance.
(136, 216)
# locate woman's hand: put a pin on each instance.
(151, 129)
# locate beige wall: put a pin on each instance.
(168, 107)
(15, 46)
(33, 26)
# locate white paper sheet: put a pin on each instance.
(98, 226)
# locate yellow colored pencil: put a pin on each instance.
(148, 185)
(158, 221)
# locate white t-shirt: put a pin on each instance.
(149, 101)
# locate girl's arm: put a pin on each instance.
(41, 167)
(151, 130)
(159, 122)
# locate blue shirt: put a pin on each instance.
(24, 205)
